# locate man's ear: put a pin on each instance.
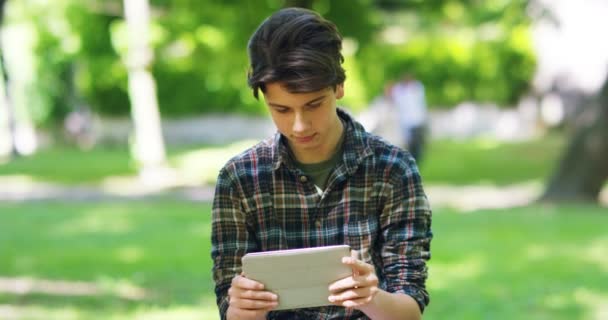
(340, 91)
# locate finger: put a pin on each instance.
(249, 304)
(354, 255)
(257, 295)
(356, 303)
(350, 295)
(344, 284)
(357, 265)
(246, 283)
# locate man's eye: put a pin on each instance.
(315, 105)
(282, 110)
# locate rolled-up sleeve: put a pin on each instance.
(230, 239)
(406, 229)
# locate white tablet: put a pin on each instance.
(300, 277)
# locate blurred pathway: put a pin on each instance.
(464, 198)
(23, 188)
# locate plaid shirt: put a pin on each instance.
(373, 202)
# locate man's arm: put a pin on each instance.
(387, 306)
(405, 222)
(237, 296)
(406, 234)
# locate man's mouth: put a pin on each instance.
(305, 139)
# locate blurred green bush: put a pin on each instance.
(461, 51)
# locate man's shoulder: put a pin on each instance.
(259, 155)
(387, 154)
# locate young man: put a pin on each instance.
(321, 180)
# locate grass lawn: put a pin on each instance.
(537, 262)
(445, 162)
(71, 166)
(484, 161)
(120, 247)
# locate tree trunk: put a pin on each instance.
(148, 146)
(7, 146)
(583, 169)
(6, 132)
(18, 60)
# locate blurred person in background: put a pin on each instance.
(408, 96)
(321, 180)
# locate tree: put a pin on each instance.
(18, 72)
(6, 132)
(582, 84)
(148, 145)
(583, 168)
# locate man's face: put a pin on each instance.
(308, 120)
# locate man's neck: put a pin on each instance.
(325, 151)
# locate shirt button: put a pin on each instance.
(303, 178)
(318, 223)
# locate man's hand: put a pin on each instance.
(357, 290)
(248, 300)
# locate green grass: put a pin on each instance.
(72, 166)
(490, 162)
(162, 247)
(450, 162)
(537, 262)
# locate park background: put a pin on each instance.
(115, 117)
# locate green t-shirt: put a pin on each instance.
(319, 172)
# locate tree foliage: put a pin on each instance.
(462, 50)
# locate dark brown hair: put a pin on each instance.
(297, 47)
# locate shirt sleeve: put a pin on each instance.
(406, 231)
(230, 238)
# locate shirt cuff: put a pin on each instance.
(223, 306)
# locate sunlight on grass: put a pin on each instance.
(537, 252)
(470, 162)
(119, 288)
(595, 301)
(199, 228)
(533, 257)
(597, 252)
(96, 221)
(594, 252)
(41, 312)
(483, 196)
(130, 254)
(557, 300)
(488, 161)
(534, 262)
(203, 165)
(70, 165)
(443, 276)
(124, 288)
(486, 143)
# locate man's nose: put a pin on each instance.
(301, 122)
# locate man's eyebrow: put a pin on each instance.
(317, 99)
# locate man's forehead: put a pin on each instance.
(277, 91)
